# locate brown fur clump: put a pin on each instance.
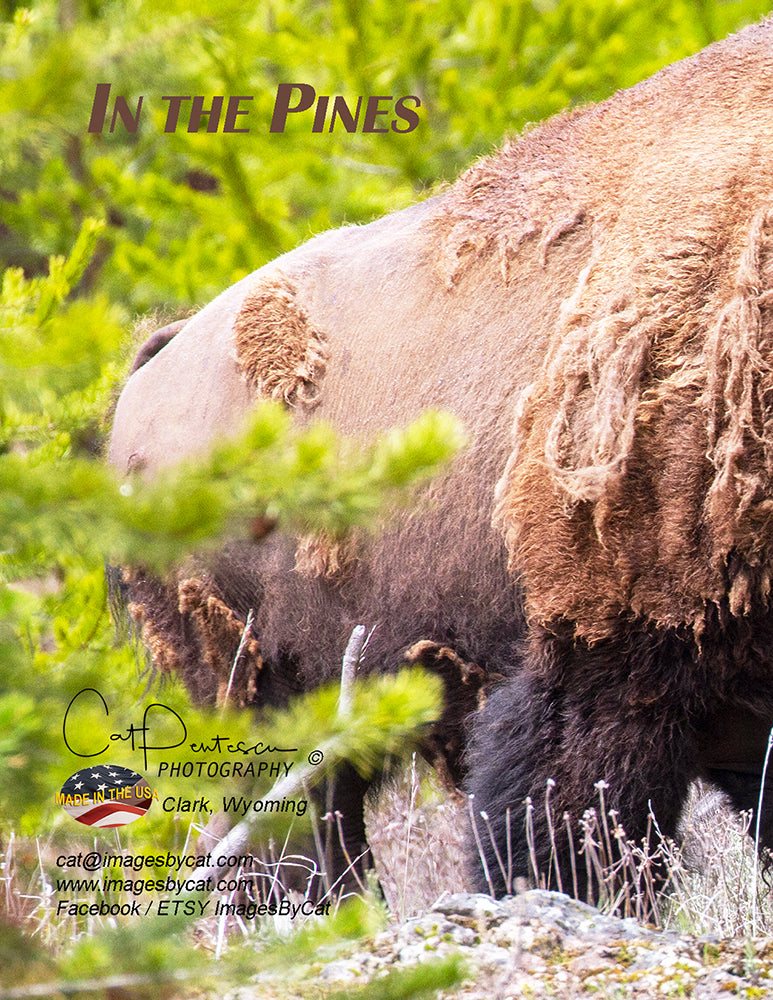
(648, 438)
(465, 686)
(171, 640)
(221, 633)
(162, 650)
(485, 213)
(280, 351)
(642, 461)
(322, 556)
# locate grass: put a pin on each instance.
(708, 883)
(96, 955)
(417, 835)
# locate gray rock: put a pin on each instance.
(475, 905)
(546, 944)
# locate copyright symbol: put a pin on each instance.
(92, 861)
(316, 757)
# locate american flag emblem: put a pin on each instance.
(105, 795)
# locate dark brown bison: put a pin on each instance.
(595, 302)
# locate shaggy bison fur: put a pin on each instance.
(595, 302)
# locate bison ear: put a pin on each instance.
(280, 351)
(156, 342)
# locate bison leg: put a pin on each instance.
(345, 849)
(574, 718)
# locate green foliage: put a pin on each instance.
(425, 980)
(58, 359)
(62, 512)
(188, 213)
(386, 714)
(28, 744)
(299, 477)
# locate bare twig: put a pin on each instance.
(349, 668)
(242, 640)
(118, 983)
(757, 833)
(478, 844)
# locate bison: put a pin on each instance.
(595, 302)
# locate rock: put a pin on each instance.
(474, 906)
(546, 944)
